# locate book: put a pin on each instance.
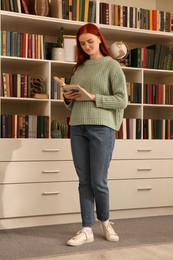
(75, 88)
(24, 7)
(40, 95)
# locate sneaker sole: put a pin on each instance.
(79, 244)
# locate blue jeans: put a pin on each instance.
(92, 147)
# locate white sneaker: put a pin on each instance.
(83, 236)
(109, 232)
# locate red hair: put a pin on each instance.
(81, 56)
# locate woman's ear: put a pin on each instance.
(99, 39)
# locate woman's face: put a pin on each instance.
(90, 44)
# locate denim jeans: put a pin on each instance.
(92, 147)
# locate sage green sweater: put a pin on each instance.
(104, 78)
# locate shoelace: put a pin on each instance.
(79, 234)
(110, 228)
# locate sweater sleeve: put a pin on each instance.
(118, 91)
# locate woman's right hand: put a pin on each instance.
(70, 95)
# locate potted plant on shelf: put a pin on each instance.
(58, 51)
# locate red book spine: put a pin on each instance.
(154, 19)
(29, 45)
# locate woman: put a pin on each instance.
(93, 124)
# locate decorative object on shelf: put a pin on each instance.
(64, 130)
(38, 88)
(55, 131)
(120, 51)
(58, 52)
(70, 47)
(41, 7)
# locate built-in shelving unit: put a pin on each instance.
(37, 177)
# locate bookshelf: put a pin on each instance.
(146, 156)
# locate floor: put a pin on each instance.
(151, 252)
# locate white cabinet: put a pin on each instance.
(141, 175)
(35, 199)
(37, 178)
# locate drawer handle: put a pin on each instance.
(51, 192)
(51, 150)
(144, 169)
(50, 171)
(144, 150)
(143, 189)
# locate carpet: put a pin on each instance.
(44, 241)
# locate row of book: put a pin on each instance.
(156, 56)
(130, 129)
(77, 10)
(25, 45)
(158, 129)
(22, 86)
(111, 14)
(19, 6)
(152, 129)
(36, 126)
(26, 86)
(133, 17)
(24, 126)
(158, 94)
(134, 92)
(16, 85)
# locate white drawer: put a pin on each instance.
(38, 171)
(38, 199)
(35, 149)
(143, 149)
(134, 194)
(127, 169)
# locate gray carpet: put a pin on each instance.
(51, 240)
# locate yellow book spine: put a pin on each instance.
(77, 10)
(86, 10)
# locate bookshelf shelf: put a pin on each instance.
(134, 147)
(139, 36)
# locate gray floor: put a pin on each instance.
(48, 241)
(150, 252)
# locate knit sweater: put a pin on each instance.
(104, 78)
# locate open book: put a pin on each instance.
(75, 88)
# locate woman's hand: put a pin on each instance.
(70, 95)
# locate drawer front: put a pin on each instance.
(146, 149)
(38, 199)
(134, 194)
(35, 149)
(38, 171)
(127, 169)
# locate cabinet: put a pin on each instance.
(38, 184)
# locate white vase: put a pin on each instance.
(57, 54)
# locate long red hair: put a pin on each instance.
(81, 56)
